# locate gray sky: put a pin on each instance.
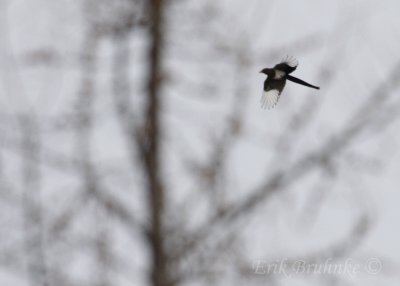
(361, 38)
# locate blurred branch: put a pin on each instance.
(151, 148)
(121, 97)
(332, 252)
(305, 165)
(30, 149)
(213, 171)
(188, 233)
(301, 119)
(346, 245)
(330, 148)
(31, 200)
(69, 165)
(103, 250)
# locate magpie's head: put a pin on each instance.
(267, 71)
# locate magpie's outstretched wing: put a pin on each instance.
(299, 81)
(269, 98)
(288, 65)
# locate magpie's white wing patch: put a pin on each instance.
(269, 98)
(290, 61)
(279, 74)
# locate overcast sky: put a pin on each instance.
(361, 38)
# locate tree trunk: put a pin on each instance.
(151, 147)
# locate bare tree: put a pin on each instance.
(143, 176)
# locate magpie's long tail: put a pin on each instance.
(299, 81)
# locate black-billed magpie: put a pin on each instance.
(276, 80)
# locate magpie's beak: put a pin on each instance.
(261, 71)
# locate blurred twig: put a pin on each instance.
(281, 179)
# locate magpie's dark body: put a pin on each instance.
(276, 81)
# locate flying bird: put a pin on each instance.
(276, 80)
